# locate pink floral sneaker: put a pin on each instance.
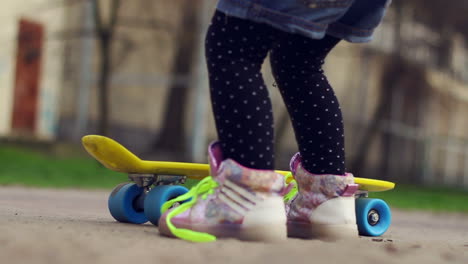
(321, 206)
(237, 202)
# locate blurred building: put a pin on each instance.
(423, 136)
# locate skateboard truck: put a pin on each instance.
(147, 180)
(361, 194)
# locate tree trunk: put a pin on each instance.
(105, 36)
(172, 135)
(381, 113)
(103, 86)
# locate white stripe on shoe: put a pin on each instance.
(235, 197)
(244, 193)
(238, 198)
(234, 206)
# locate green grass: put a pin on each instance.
(19, 166)
(30, 168)
(436, 199)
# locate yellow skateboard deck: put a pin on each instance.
(116, 157)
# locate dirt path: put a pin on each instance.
(68, 226)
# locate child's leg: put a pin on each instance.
(324, 205)
(314, 109)
(235, 51)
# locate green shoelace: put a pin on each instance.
(289, 179)
(204, 188)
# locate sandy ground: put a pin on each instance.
(70, 226)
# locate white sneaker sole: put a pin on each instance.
(335, 219)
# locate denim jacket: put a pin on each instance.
(351, 20)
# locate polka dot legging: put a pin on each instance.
(235, 51)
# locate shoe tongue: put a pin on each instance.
(215, 156)
(295, 161)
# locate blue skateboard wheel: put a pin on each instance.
(122, 204)
(373, 216)
(157, 197)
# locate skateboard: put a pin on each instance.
(155, 182)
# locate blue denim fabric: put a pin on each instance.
(351, 20)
